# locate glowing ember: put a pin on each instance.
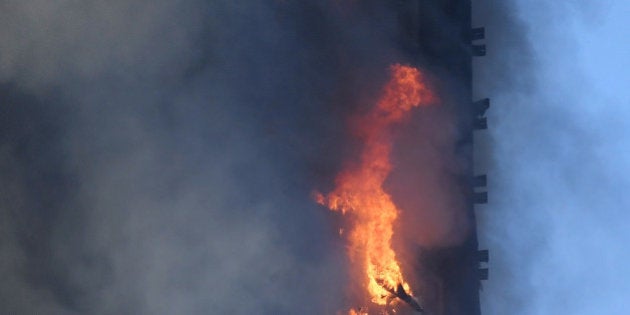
(359, 189)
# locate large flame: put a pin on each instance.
(359, 190)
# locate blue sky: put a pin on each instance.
(557, 223)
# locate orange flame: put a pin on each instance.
(359, 190)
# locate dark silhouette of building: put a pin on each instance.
(438, 35)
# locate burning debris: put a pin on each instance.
(403, 296)
(359, 190)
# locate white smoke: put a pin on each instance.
(555, 224)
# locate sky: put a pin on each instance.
(557, 221)
(158, 157)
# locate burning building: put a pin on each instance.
(437, 38)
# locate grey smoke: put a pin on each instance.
(154, 159)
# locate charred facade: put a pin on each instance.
(438, 35)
